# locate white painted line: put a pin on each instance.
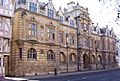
(16, 79)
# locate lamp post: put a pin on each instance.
(78, 46)
(67, 40)
(96, 55)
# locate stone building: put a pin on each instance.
(96, 46)
(42, 43)
(6, 14)
(47, 41)
(118, 49)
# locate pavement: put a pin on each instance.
(109, 75)
(60, 76)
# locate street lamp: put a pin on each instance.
(67, 40)
(96, 55)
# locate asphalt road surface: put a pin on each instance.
(113, 75)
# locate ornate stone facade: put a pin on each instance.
(43, 49)
(45, 41)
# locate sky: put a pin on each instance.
(103, 14)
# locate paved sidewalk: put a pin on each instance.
(64, 74)
(26, 78)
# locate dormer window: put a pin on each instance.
(33, 7)
(1, 2)
(71, 23)
(50, 13)
(22, 2)
(61, 19)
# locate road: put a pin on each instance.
(113, 75)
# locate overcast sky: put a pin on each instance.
(103, 14)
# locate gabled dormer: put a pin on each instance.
(112, 34)
(50, 9)
(107, 31)
(96, 29)
(20, 4)
(60, 15)
(31, 5)
(70, 21)
(41, 8)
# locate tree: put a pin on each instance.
(115, 4)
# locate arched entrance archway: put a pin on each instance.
(86, 61)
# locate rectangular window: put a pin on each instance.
(51, 33)
(33, 29)
(33, 7)
(50, 13)
(71, 23)
(61, 38)
(61, 19)
(42, 31)
(90, 42)
(22, 2)
(1, 2)
(20, 53)
(73, 42)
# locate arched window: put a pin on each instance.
(86, 61)
(62, 57)
(93, 59)
(50, 55)
(32, 53)
(72, 57)
(99, 59)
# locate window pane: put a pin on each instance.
(1, 2)
(50, 13)
(33, 7)
(72, 23)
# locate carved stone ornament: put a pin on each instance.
(20, 42)
(41, 51)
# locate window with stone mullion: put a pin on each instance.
(50, 13)
(50, 55)
(22, 2)
(33, 7)
(60, 38)
(33, 29)
(51, 34)
(61, 19)
(32, 53)
(1, 2)
(71, 23)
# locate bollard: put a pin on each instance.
(55, 69)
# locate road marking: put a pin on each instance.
(84, 78)
(33, 80)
